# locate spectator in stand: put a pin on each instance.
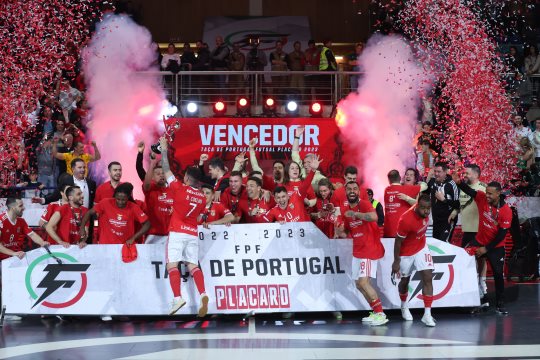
(52, 207)
(64, 145)
(313, 56)
(520, 130)
(117, 217)
(444, 199)
(237, 63)
(426, 133)
(256, 205)
(32, 185)
(305, 166)
(354, 62)
(171, 60)
(106, 190)
(360, 223)
(219, 177)
(526, 154)
(377, 206)
(78, 153)
(288, 208)
(215, 213)
(495, 218)
(514, 59)
(14, 230)
(219, 59)
(279, 61)
(278, 169)
(231, 196)
(188, 59)
(324, 214)
(297, 62)
(411, 177)
(532, 68)
(67, 96)
(158, 202)
(65, 223)
(425, 159)
(536, 140)
(397, 199)
(202, 63)
(46, 164)
(256, 60)
(327, 63)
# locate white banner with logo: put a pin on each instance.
(261, 267)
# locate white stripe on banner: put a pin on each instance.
(255, 267)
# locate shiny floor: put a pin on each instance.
(458, 334)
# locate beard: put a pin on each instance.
(353, 199)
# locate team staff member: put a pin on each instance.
(158, 204)
(64, 225)
(14, 229)
(215, 213)
(495, 218)
(397, 199)
(411, 253)
(117, 218)
(360, 222)
(182, 245)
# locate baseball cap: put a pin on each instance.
(129, 253)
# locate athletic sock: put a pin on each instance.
(198, 278)
(174, 279)
(428, 300)
(376, 305)
(403, 298)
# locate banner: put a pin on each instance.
(260, 267)
(227, 137)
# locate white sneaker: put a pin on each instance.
(369, 318)
(378, 319)
(203, 308)
(406, 314)
(106, 318)
(338, 315)
(177, 303)
(428, 320)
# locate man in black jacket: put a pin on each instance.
(444, 199)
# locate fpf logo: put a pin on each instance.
(439, 257)
(50, 282)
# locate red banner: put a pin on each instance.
(227, 137)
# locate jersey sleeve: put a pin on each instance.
(26, 229)
(138, 214)
(402, 228)
(99, 208)
(505, 218)
(270, 216)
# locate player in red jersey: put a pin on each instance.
(52, 207)
(117, 218)
(64, 225)
(13, 229)
(106, 190)
(182, 245)
(339, 196)
(495, 218)
(256, 205)
(411, 253)
(233, 194)
(360, 222)
(158, 204)
(397, 199)
(215, 213)
(287, 209)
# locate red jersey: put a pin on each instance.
(259, 207)
(327, 223)
(104, 191)
(269, 183)
(12, 234)
(217, 185)
(412, 227)
(339, 197)
(116, 225)
(491, 219)
(232, 202)
(294, 212)
(50, 210)
(394, 207)
(158, 208)
(188, 204)
(365, 234)
(215, 211)
(300, 187)
(70, 223)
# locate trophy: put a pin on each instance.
(169, 133)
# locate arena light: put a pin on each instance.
(220, 108)
(243, 107)
(292, 107)
(315, 109)
(269, 107)
(192, 108)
